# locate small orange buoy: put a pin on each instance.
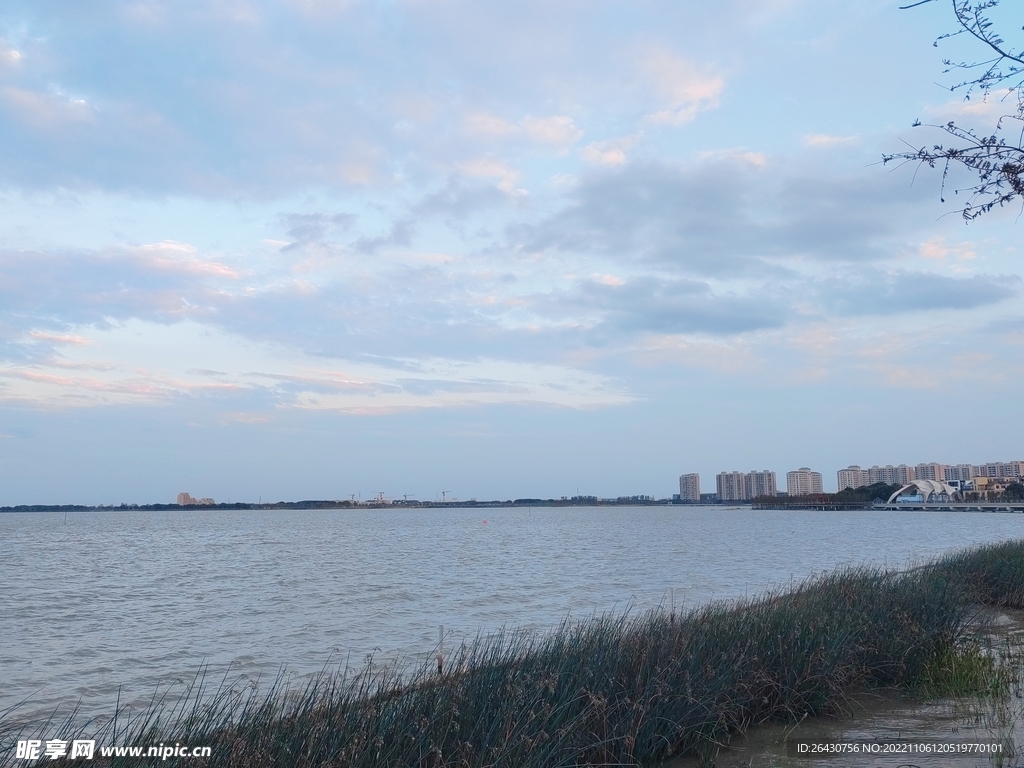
(485, 522)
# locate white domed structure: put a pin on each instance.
(926, 490)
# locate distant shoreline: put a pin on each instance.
(761, 504)
(371, 504)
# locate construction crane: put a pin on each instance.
(443, 496)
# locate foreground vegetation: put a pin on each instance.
(610, 691)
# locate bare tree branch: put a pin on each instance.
(996, 163)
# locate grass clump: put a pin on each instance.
(963, 670)
(994, 572)
(617, 690)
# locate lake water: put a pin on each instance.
(132, 599)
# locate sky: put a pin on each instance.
(324, 248)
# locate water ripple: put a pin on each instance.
(135, 599)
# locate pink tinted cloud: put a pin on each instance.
(61, 338)
(181, 258)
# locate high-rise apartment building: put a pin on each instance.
(930, 471)
(186, 499)
(803, 482)
(855, 477)
(740, 486)
(891, 475)
(1000, 469)
(877, 474)
(731, 486)
(904, 475)
(689, 487)
(852, 477)
(958, 473)
(760, 483)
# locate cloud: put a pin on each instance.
(149, 13)
(483, 124)
(725, 213)
(558, 130)
(489, 167)
(173, 257)
(9, 56)
(321, 9)
(827, 140)
(400, 235)
(935, 248)
(653, 212)
(142, 363)
(458, 199)
(47, 111)
(728, 356)
(888, 293)
(60, 338)
(611, 153)
(988, 109)
(730, 244)
(313, 227)
(686, 89)
(244, 417)
(319, 94)
(617, 310)
(160, 281)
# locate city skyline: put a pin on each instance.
(804, 481)
(308, 248)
